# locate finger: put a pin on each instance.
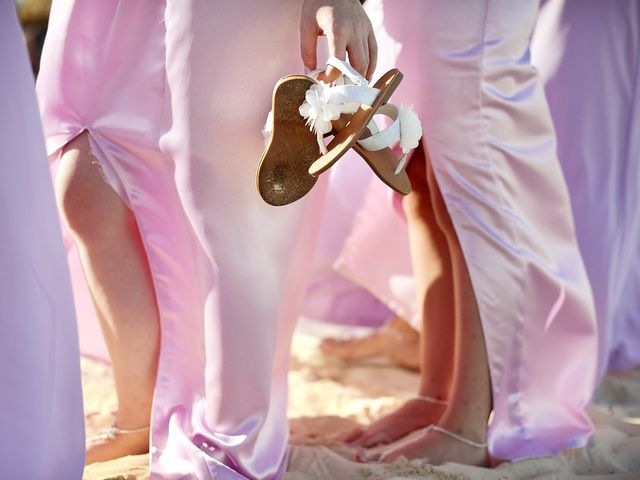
(358, 58)
(338, 49)
(308, 46)
(365, 49)
(373, 55)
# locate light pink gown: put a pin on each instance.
(41, 424)
(588, 53)
(331, 295)
(491, 140)
(174, 95)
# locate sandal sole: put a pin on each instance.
(283, 173)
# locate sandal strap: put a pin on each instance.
(405, 129)
(350, 91)
(351, 97)
(387, 137)
(347, 70)
(325, 103)
(455, 436)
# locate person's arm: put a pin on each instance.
(348, 30)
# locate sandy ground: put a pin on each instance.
(329, 398)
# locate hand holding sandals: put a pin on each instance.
(305, 111)
(348, 30)
(339, 103)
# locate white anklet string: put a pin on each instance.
(428, 399)
(455, 436)
(111, 432)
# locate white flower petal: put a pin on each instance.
(311, 96)
(305, 110)
(323, 126)
(410, 129)
(334, 111)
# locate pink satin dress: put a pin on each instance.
(41, 423)
(174, 95)
(588, 53)
(491, 140)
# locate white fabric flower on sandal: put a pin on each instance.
(410, 128)
(319, 109)
(410, 133)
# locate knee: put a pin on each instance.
(74, 200)
(84, 199)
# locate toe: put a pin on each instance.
(391, 455)
(376, 438)
(368, 456)
(355, 435)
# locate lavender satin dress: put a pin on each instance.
(42, 429)
(491, 140)
(588, 53)
(174, 95)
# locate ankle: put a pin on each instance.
(461, 437)
(432, 400)
(435, 391)
(131, 422)
(475, 431)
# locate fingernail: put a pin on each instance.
(306, 70)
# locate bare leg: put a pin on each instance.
(396, 340)
(434, 284)
(115, 265)
(470, 403)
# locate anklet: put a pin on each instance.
(460, 438)
(428, 399)
(113, 431)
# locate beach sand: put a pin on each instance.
(329, 398)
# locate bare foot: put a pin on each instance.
(435, 447)
(113, 444)
(413, 415)
(350, 349)
(397, 341)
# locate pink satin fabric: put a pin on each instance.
(42, 429)
(492, 144)
(588, 53)
(331, 295)
(174, 95)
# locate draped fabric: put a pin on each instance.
(42, 434)
(174, 95)
(492, 145)
(588, 53)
